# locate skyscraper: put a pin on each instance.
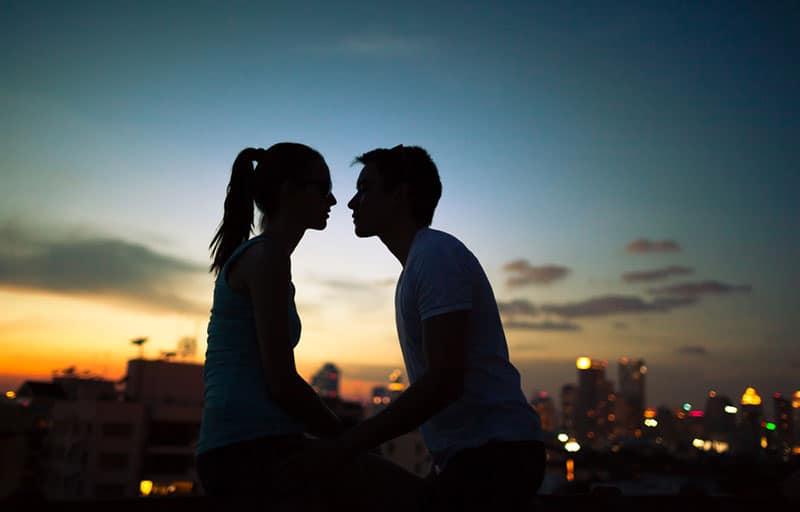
(326, 381)
(594, 393)
(750, 426)
(544, 406)
(631, 398)
(784, 423)
(569, 408)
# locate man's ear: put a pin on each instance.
(400, 194)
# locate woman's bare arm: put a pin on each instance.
(267, 279)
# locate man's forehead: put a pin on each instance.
(368, 174)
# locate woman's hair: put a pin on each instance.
(285, 161)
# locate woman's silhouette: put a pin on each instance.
(257, 408)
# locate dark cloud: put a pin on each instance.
(616, 304)
(100, 266)
(656, 274)
(620, 325)
(546, 325)
(357, 285)
(528, 274)
(517, 307)
(643, 246)
(695, 350)
(698, 289)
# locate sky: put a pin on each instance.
(626, 175)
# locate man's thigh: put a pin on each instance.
(504, 474)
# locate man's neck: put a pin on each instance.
(399, 241)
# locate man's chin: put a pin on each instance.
(362, 233)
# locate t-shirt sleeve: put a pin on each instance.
(442, 283)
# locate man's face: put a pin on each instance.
(372, 206)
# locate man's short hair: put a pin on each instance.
(414, 166)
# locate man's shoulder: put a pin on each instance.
(432, 239)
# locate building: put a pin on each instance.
(784, 425)
(543, 404)
(140, 441)
(749, 435)
(595, 415)
(719, 417)
(630, 402)
(569, 408)
(326, 381)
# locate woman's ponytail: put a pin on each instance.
(237, 221)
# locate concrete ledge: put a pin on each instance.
(593, 503)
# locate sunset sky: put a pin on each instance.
(627, 177)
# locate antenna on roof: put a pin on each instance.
(140, 342)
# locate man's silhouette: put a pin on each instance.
(465, 394)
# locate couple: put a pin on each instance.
(266, 433)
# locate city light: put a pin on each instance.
(796, 400)
(698, 443)
(712, 394)
(731, 409)
(687, 406)
(650, 422)
(583, 363)
(796, 450)
(562, 437)
(764, 442)
(770, 426)
(650, 413)
(570, 470)
(696, 414)
(145, 487)
(11, 395)
(572, 446)
(750, 397)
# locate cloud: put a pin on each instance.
(517, 307)
(656, 274)
(620, 325)
(546, 325)
(528, 274)
(697, 289)
(696, 350)
(374, 45)
(357, 285)
(643, 246)
(616, 304)
(100, 266)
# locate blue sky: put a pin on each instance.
(562, 135)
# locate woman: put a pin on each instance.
(257, 408)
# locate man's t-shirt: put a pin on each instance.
(440, 276)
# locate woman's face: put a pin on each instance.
(314, 197)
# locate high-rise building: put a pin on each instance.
(544, 406)
(784, 424)
(326, 381)
(750, 424)
(569, 408)
(594, 412)
(719, 417)
(630, 401)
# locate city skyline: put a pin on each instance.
(624, 175)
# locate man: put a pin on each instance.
(464, 395)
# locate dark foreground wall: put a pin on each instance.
(543, 504)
